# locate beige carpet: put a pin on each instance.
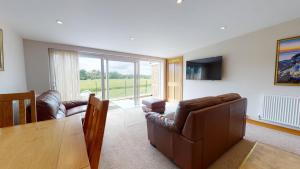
(126, 145)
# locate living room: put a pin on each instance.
(154, 68)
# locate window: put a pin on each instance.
(121, 80)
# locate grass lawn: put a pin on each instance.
(116, 86)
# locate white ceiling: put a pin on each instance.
(160, 27)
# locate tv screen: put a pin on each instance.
(204, 69)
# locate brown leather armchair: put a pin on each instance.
(200, 130)
(49, 106)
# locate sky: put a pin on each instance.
(114, 66)
(289, 48)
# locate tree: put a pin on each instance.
(83, 74)
(94, 74)
(115, 75)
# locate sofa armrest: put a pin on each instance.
(74, 103)
(161, 120)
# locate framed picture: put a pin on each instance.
(288, 62)
(1, 51)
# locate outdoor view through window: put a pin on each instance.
(121, 77)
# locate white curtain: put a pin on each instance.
(64, 67)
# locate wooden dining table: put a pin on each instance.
(52, 144)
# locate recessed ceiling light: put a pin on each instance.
(222, 27)
(59, 22)
(179, 1)
(132, 38)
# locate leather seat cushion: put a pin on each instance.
(76, 110)
(185, 107)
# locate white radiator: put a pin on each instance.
(284, 110)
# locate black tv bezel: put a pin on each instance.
(216, 58)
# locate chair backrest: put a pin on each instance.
(93, 127)
(7, 111)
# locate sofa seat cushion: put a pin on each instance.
(76, 110)
(229, 97)
(185, 107)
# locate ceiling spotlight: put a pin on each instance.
(222, 27)
(59, 22)
(179, 1)
(132, 38)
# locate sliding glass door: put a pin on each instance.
(121, 79)
(150, 79)
(90, 76)
(124, 81)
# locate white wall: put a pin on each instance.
(13, 78)
(248, 68)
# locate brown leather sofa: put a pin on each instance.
(200, 130)
(49, 106)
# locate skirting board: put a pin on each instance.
(274, 127)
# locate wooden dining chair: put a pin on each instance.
(93, 128)
(7, 110)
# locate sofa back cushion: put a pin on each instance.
(217, 128)
(185, 107)
(229, 97)
(48, 105)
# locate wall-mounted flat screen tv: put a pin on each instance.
(204, 69)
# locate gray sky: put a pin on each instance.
(114, 66)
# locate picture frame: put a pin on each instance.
(1, 51)
(287, 65)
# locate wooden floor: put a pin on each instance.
(274, 127)
(264, 156)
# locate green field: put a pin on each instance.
(117, 87)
